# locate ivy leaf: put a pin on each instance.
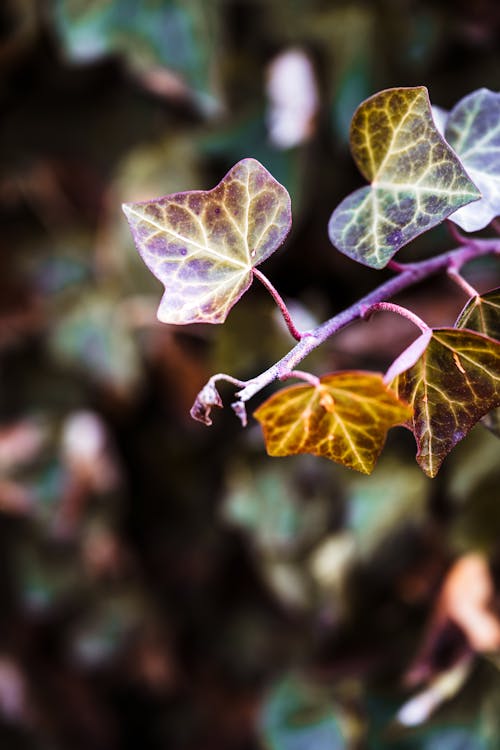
(202, 245)
(482, 314)
(417, 180)
(473, 131)
(451, 386)
(345, 418)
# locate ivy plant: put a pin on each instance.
(424, 166)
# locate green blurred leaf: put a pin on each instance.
(148, 33)
(396, 495)
(92, 336)
(268, 505)
(417, 180)
(297, 716)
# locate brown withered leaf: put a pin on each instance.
(344, 418)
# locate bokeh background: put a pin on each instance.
(168, 586)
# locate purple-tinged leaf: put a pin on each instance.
(202, 245)
(416, 178)
(473, 131)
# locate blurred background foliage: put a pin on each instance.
(168, 586)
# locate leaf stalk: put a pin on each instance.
(399, 310)
(294, 331)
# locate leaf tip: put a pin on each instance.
(127, 209)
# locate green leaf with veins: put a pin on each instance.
(473, 130)
(482, 314)
(454, 383)
(202, 245)
(417, 180)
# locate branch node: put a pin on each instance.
(454, 274)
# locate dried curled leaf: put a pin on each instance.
(452, 385)
(202, 245)
(482, 314)
(206, 399)
(473, 130)
(344, 418)
(417, 180)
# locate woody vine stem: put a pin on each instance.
(407, 275)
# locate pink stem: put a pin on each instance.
(307, 376)
(280, 302)
(395, 266)
(454, 274)
(391, 307)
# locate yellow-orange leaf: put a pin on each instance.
(344, 418)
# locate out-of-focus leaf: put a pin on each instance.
(148, 33)
(464, 602)
(473, 131)
(351, 64)
(93, 337)
(344, 418)
(297, 716)
(203, 245)
(293, 98)
(467, 598)
(268, 506)
(420, 707)
(474, 477)
(417, 180)
(451, 386)
(377, 507)
(482, 314)
(453, 738)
